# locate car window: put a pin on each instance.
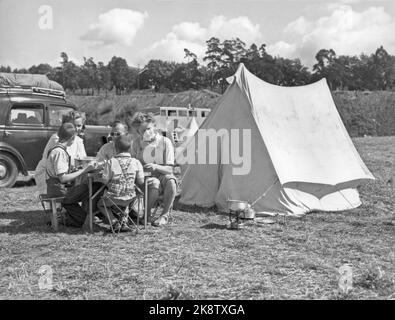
(56, 114)
(27, 115)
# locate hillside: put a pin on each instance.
(363, 113)
(103, 110)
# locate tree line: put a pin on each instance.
(375, 71)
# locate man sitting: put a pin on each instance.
(107, 151)
(120, 174)
(156, 152)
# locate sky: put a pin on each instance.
(37, 31)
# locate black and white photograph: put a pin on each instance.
(195, 155)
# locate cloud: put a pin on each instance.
(300, 26)
(189, 31)
(240, 27)
(117, 26)
(344, 30)
(171, 48)
(283, 49)
(192, 35)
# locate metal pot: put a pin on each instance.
(237, 205)
(249, 213)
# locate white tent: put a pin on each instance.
(186, 136)
(301, 157)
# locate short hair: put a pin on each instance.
(117, 123)
(66, 131)
(72, 116)
(123, 143)
(141, 117)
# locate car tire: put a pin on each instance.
(8, 171)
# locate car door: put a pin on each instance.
(25, 131)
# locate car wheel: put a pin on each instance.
(8, 171)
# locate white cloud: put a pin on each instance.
(192, 36)
(283, 49)
(240, 27)
(300, 26)
(117, 26)
(344, 30)
(189, 31)
(171, 48)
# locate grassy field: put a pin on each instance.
(196, 257)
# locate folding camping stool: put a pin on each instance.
(44, 198)
(123, 212)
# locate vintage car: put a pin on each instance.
(28, 118)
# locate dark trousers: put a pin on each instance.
(76, 215)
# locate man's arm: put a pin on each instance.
(168, 158)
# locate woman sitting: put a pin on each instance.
(76, 150)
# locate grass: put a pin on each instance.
(196, 257)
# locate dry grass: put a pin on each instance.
(197, 257)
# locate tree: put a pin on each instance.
(5, 69)
(158, 74)
(119, 71)
(383, 69)
(132, 78)
(42, 68)
(70, 73)
(103, 78)
(327, 67)
(213, 58)
(293, 72)
(88, 77)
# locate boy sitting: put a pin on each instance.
(120, 174)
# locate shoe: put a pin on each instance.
(116, 226)
(121, 227)
(96, 219)
(125, 228)
(161, 221)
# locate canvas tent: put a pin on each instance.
(186, 135)
(28, 80)
(302, 158)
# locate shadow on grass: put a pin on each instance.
(211, 226)
(25, 222)
(21, 184)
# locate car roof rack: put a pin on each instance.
(33, 90)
